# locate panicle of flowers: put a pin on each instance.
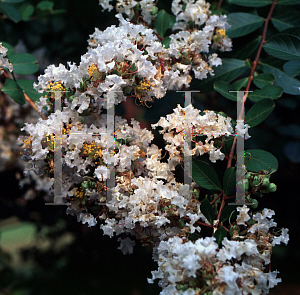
(238, 267)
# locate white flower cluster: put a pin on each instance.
(131, 60)
(128, 6)
(147, 200)
(185, 266)
(4, 62)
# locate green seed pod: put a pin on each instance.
(246, 184)
(265, 182)
(254, 204)
(255, 181)
(272, 187)
(248, 175)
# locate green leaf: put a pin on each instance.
(251, 3)
(10, 52)
(247, 49)
(172, 21)
(229, 182)
(283, 46)
(288, 84)
(292, 68)
(286, 20)
(243, 23)
(10, 11)
(12, 1)
(288, 2)
(26, 11)
(207, 210)
(162, 22)
(45, 5)
(256, 160)
(237, 85)
(205, 175)
(263, 80)
(295, 31)
(220, 234)
(14, 91)
(227, 211)
(223, 88)
(230, 69)
(27, 87)
(24, 63)
(270, 91)
(259, 112)
(166, 42)
(227, 144)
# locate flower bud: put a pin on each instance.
(85, 185)
(254, 204)
(272, 187)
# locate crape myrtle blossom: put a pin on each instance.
(131, 60)
(235, 268)
(148, 201)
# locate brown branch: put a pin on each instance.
(254, 64)
(29, 100)
(220, 4)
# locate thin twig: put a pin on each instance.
(220, 4)
(29, 100)
(254, 64)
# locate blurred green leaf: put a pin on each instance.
(229, 182)
(14, 91)
(227, 212)
(242, 24)
(26, 11)
(207, 210)
(24, 63)
(220, 234)
(283, 46)
(270, 91)
(10, 11)
(263, 80)
(45, 5)
(292, 68)
(162, 22)
(247, 49)
(204, 175)
(288, 84)
(27, 87)
(288, 2)
(251, 3)
(237, 85)
(283, 21)
(12, 1)
(259, 112)
(223, 88)
(166, 42)
(230, 69)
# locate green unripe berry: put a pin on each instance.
(246, 184)
(265, 182)
(255, 181)
(254, 204)
(272, 187)
(248, 175)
